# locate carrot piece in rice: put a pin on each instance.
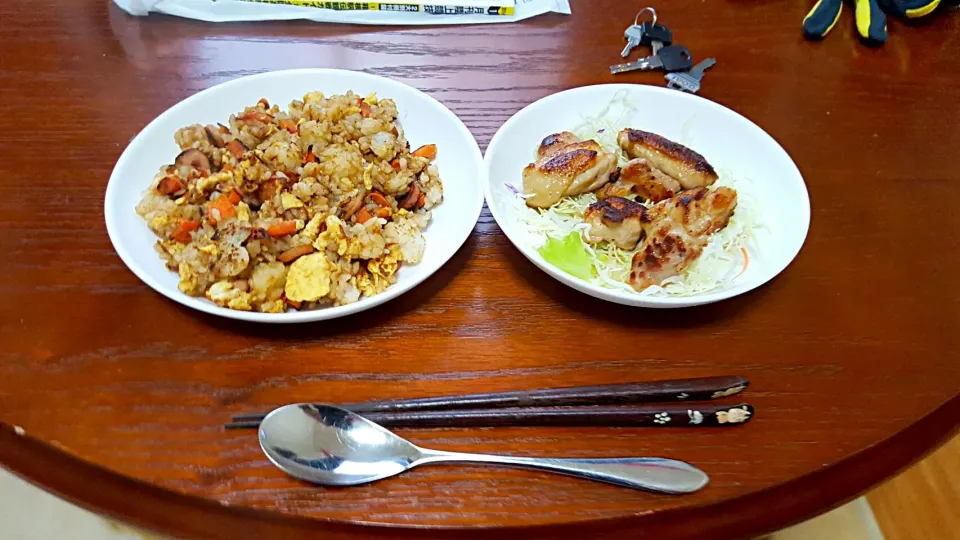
(295, 253)
(288, 125)
(379, 199)
(184, 228)
(428, 151)
(221, 209)
(236, 148)
(363, 216)
(169, 185)
(283, 228)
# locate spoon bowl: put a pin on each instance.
(331, 446)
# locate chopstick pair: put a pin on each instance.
(603, 405)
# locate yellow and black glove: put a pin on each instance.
(870, 17)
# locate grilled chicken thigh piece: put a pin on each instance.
(689, 168)
(638, 177)
(616, 220)
(676, 231)
(566, 168)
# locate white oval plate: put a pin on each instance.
(728, 140)
(424, 119)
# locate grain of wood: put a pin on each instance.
(922, 503)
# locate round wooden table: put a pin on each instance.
(119, 394)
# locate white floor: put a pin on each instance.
(29, 513)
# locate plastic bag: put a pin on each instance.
(401, 12)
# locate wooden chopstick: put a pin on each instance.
(678, 390)
(669, 415)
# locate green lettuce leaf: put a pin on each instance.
(569, 255)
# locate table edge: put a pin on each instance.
(160, 509)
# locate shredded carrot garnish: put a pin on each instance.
(746, 261)
(395, 164)
(233, 197)
(365, 109)
(310, 157)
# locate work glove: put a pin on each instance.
(870, 18)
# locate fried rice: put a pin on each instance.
(317, 205)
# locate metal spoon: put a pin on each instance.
(333, 446)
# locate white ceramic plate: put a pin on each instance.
(729, 141)
(425, 120)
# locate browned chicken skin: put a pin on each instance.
(638, 177)
(616, 220)
(689, 168)
(551, 144)
(566, 167)
(676, 232)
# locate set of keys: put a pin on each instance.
(675, 60)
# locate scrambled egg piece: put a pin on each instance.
(211, 249)
(388, 265)
(188, 280)
(243, 211)
(275, 306)
(308, 278)
(372, 98)
(312, 229)
(333, 236)
(368, 177)
(207, 184)
(366, 283)
(289, 200)
(223, 294)
(158, 222)
(353, 109)
(378, 270)
(312, 97)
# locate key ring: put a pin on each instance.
(653, 13)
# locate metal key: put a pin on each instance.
(633, 35)
(689, 81)
(670, 58)
(655, 36)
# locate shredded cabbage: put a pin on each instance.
(725, 257)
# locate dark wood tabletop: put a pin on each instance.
(119, 394)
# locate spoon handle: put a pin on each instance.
(651, 474)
